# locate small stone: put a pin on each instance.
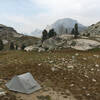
(86, 76)
(2, 92)
(92, 69)
(84, 87)
(50, 62)
(66, 62)
(88, 94)
(63, 59)
(53, 69)
(97, 56)
(39, 64)
(96, 65)
(84, 58)
(98, 70)
(94, 80)
(71, 85)
(65, 78)
(76, 54)
(1, 81)
(70, 67)
(73, 57)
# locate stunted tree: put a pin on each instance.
(1, 45)
(23, 46)
(16, 47)
(76, 30)
(73, 32)
(52, 33)
(12, 46)
(66, 30)
(44, 35)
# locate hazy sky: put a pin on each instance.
(27, 15)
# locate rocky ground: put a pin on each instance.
(74, 75)
(64, 41)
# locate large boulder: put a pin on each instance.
(84, 44)
(53, 43)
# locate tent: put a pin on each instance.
(24, 83)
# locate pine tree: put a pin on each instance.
(12, 46)
(44, 35)
(23, 47)
(66, 30)
(51, 33)
(73, 32)
(1, 45)
(16, 47)
(76, 30)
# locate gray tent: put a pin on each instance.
(24, 83)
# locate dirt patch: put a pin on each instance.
(46, 94)
(76, 71)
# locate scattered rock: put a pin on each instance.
(96, 65)
(92, 69)
(84, 58)
(51, 62)
(76, 54)
(41, 49)
(70, 67)
(39, 64)
(97, 56)
(31, 48)
(71, 85)
(2, 92)
(53, 69)
(94, 80)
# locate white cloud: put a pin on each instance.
(85, 11)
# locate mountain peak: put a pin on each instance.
(65, 23)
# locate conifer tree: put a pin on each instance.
(16, 47)
(23, 47)
(44, 35)
(76, 30)
(12, 46)
(1, 45)
(73, 32)
(51, 33)
(66, 30)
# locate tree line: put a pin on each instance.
(46, 35)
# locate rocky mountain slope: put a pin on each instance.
(9, 34)
(93, 30)
(61, 25)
